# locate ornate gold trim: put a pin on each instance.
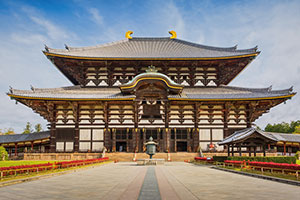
(126, 99)
(131, 86)
(98, 58)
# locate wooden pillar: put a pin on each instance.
(113, 132)
(228, 150)
(189, 140)
(269, 147)
(167, 129)
(175, 140)
(240, 150)
(52, 120)
(127, 141)
(232, 149)
(195, 137)
(249, 150)
(76, 116)
(136, 134)
(136, 125)
(225, 121)
(249, 113)
(284, 148)
(264, 150)
(254, 151)
(32, 146)
(16, 149)
(167, 139)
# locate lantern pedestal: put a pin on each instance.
(150, 161)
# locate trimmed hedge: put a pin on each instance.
(220, 158)
(275, 159)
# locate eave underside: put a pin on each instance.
(194, 72)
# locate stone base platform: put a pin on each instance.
(124, 156)
(60, 156)
(150, 161)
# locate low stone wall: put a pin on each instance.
(60, 156)
(237, 154)
(125, 157)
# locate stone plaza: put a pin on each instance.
(126, 180)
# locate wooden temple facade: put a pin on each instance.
(126, 91)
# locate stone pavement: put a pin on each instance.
(170, 181)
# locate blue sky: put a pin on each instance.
(25, 27)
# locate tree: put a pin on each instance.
(3, 154)
(7, 131)
(297, 130)
(283, 127)
(38, 128)
(28, 128)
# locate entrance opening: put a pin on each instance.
(181, 146)
(121, 146)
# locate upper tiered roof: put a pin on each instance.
(197, 64)
(151, 48)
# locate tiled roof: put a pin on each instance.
(202, 93)
(4, 139)
(242, 134)
(152, 48)
(276, 137)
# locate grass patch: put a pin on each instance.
(266, 173)
(298, 162)
(10, 163)
(22, 176)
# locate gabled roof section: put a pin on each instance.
(151, 48)
(275, 137)
(246, 133)
(151, 75)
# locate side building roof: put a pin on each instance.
(245, 133)
(5, 139)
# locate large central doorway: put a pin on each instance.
(181, 146)
(121, 146)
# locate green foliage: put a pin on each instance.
(8, 131)
(3, 154)
(220, 158)
(28, 128)
(297, 129)
(38, 128)
(283, 127)
(275, 159)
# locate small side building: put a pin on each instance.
(18, 144)
(253, 141)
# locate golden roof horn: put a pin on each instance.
(128, 33)
(173, 34)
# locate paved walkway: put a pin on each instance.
(171, 181)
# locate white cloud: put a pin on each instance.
(96, 17)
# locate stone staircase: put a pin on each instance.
(128, 157)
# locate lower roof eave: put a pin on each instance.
(133, 98)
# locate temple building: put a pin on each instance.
(124, 92)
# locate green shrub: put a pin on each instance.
(3, 154)
(297, 155)
(220, 158)
(275, 159)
